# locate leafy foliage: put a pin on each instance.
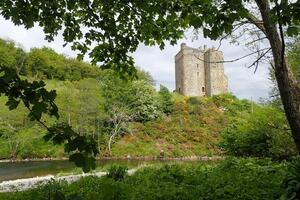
(291, 182)
(11, 55)
(138, 96)
(293, 57)
(293, 52)
(117, 172)
(230, 179)
(39, 101)
(83, 149)
(165, 99)
(34, 96)
(231, 104)
(46, 63)
(258, 134)
(143, 101)
(117, 28)
(192, 127)
(82, 108)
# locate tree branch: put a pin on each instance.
(237, 26)
(258, 59)
(258, 39)
(233, 60)
(258, 23)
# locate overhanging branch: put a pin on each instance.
(233, 60)
(258, 23)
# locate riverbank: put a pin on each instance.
(28, 183)
(12, 170)
(188, 158)
(232, 178)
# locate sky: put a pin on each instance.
(242, 82)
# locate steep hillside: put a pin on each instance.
(192, 129)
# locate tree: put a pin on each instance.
(143, 101)
(293, 57)
(90, 108)
(117, 28)
(11, 55)
(46, 63)
(165, 99)
(138, 96)
(119, 118)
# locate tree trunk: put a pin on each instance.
(110, 140)
(288, 86)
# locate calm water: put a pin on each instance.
(17, 170)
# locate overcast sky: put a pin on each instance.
(243, 83)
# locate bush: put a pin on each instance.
(292, 181)
(117, 172)
(230, 179)
(263, 133)
(231, 104)
(165, 98)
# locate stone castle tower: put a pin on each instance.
(200, 72)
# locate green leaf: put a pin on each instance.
(292, 30)
(12, 103)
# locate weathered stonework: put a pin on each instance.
(200, 72)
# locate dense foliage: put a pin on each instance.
(130, 118)
(119, 27)
(258, 134)
(291, 181)
(231, 179)
(293, 52)
(165, 99)
(46, 63)
(40, 102)
(86, 98)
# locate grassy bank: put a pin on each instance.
(229, 179)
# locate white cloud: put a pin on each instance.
(242, 81)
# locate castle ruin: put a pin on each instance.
(200, 72)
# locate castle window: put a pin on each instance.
(197, 66)
(203, 89)
(179, 90)
(198, 74)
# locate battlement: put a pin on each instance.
(200, 71)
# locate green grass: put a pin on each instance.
(230, 179)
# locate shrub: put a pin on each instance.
(117, 172)
(165, 99)
(230, 103)
(292, 181)
(263, 133)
